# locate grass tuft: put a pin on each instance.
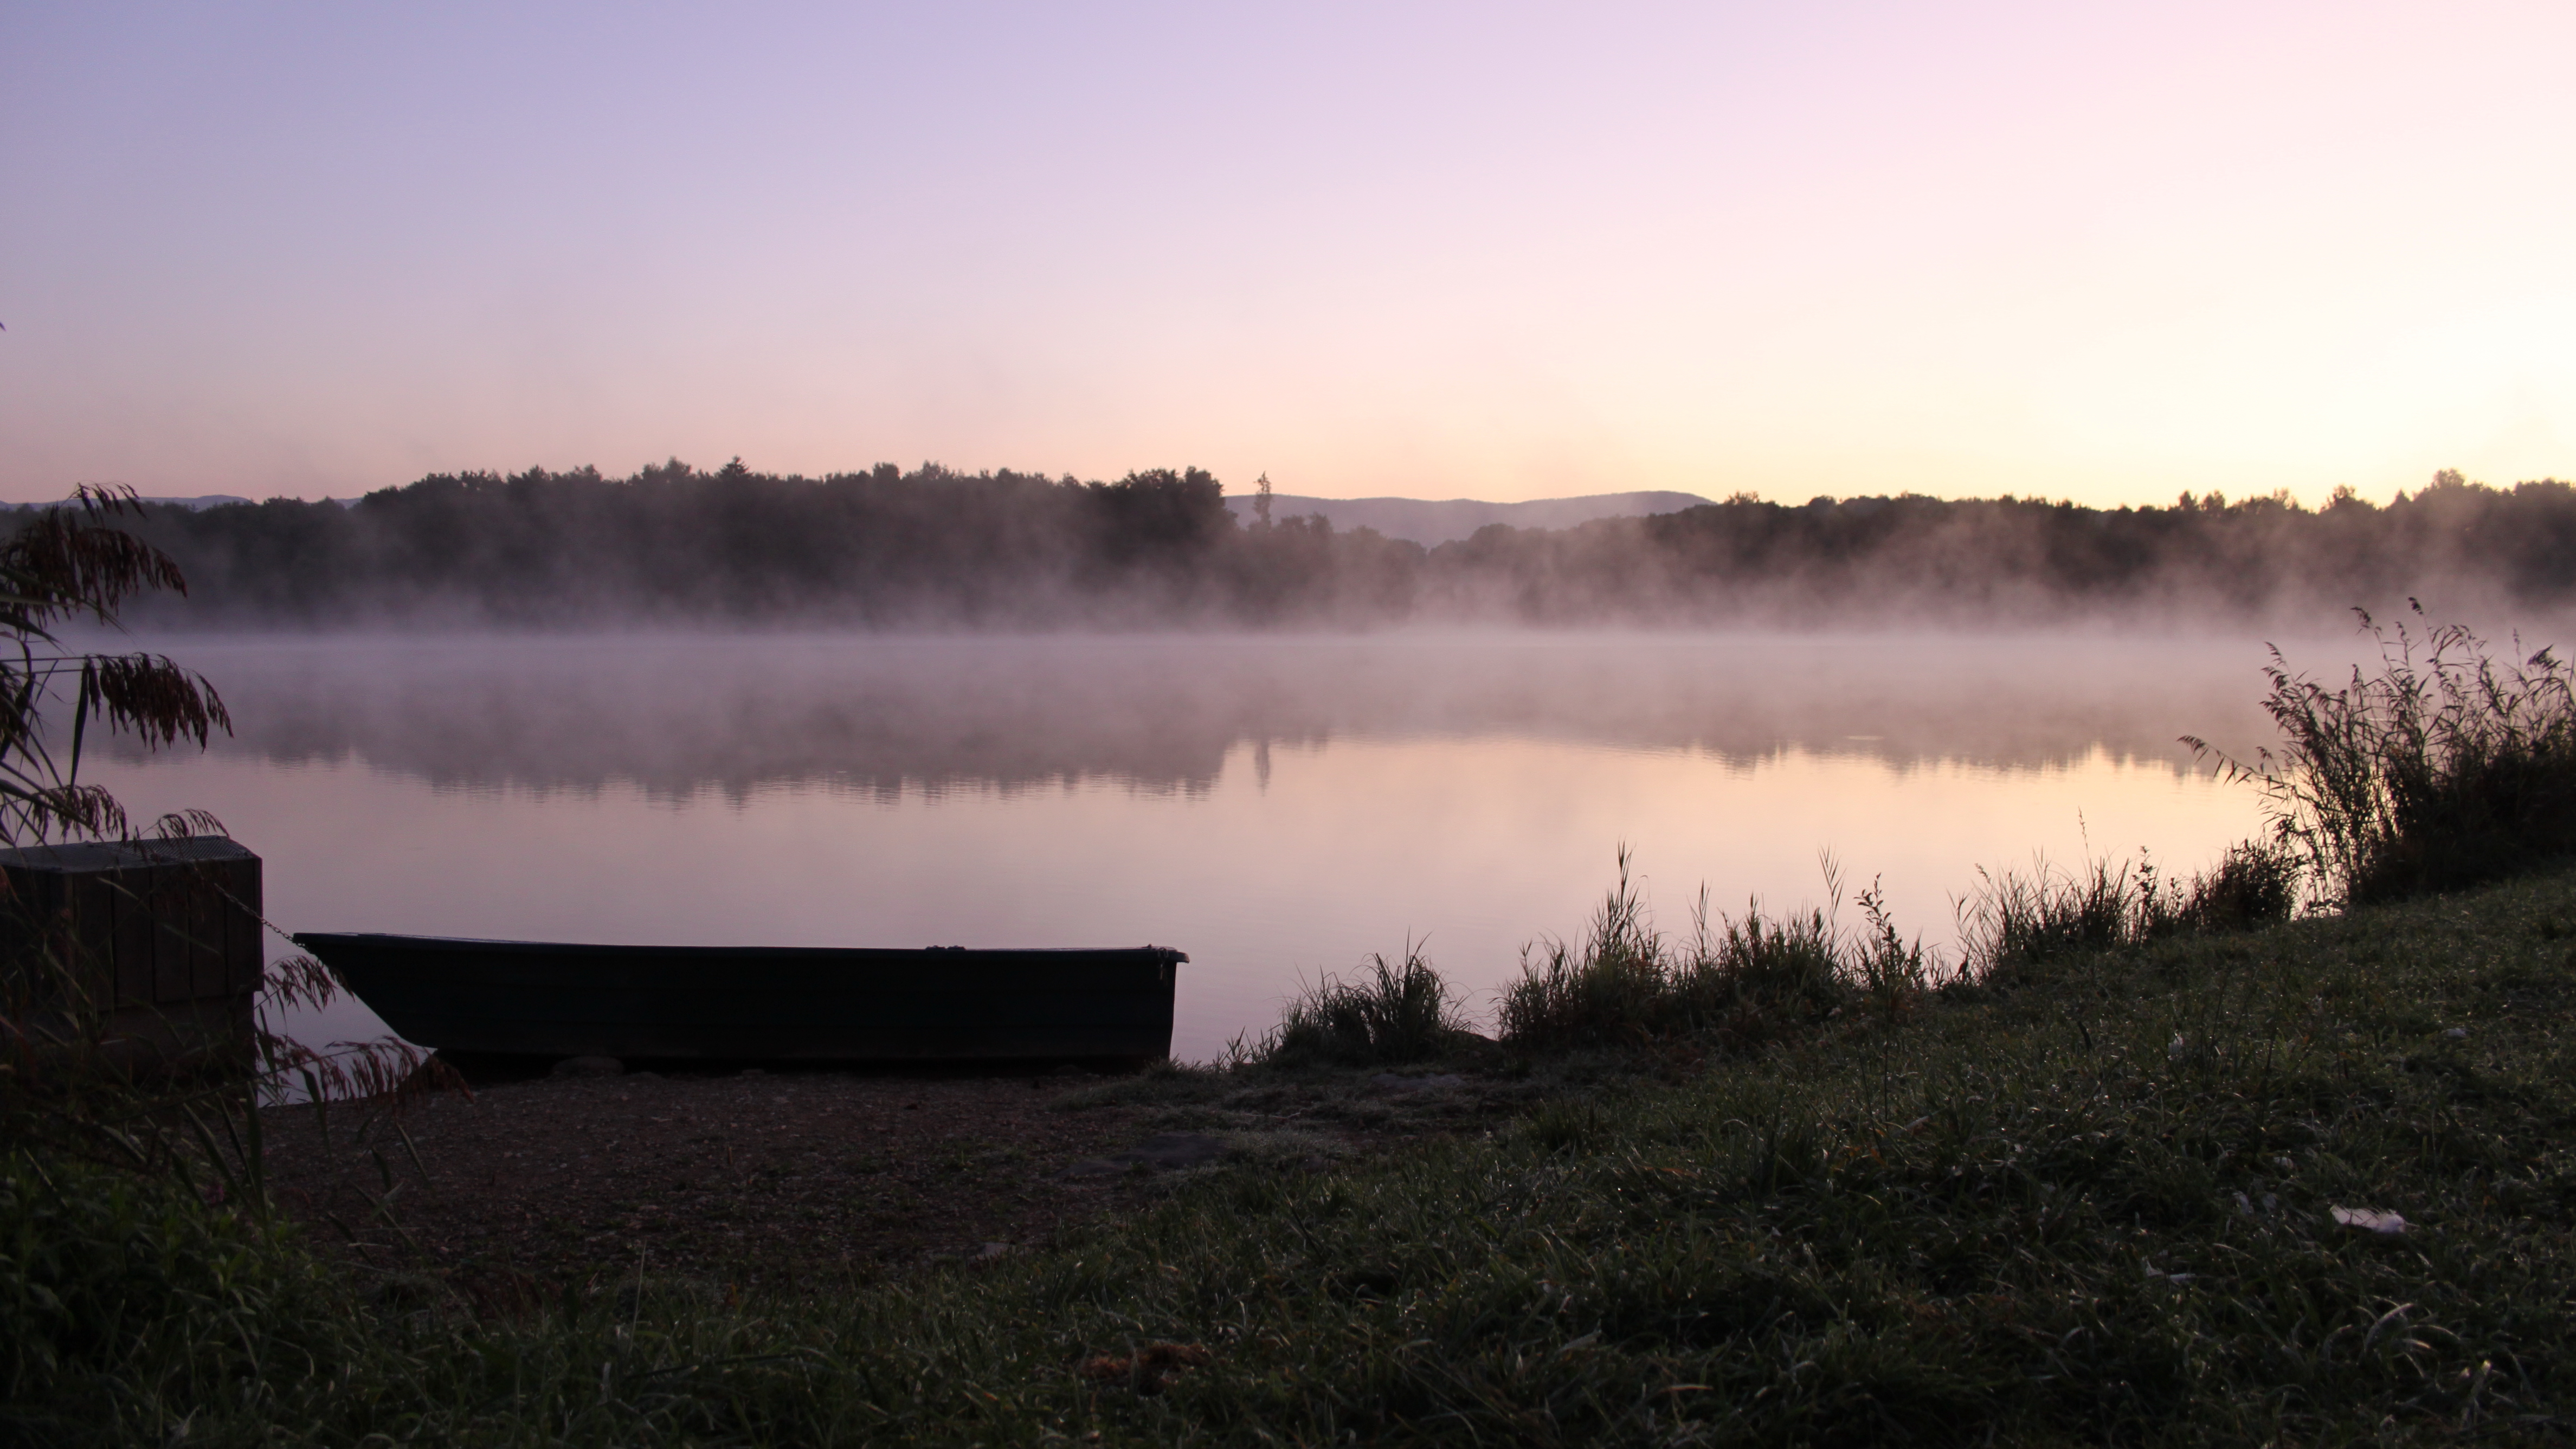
(2018, 920)
(1743, 981)
(1389, 1015)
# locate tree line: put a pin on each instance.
(934, 547)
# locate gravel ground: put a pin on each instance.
(754, 1177)
(745, 1177)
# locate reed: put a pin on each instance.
(69, 1088)
(2441, 770)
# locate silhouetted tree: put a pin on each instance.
(889, 548)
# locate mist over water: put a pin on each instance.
(1163, 549)
(1278, 807)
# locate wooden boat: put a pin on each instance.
(759, 1003)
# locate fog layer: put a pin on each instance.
(938, 549)
(677, 715)
(1276, 806)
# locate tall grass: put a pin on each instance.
(1741, 980)
(2016, 919)
(128, 1304)
(76, 1076)
(2444, 769)
(1387, 1015)
(2025, 1219)
(1746, 980)
(87, 1077)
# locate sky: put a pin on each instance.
(2106, 253)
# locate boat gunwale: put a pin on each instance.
(473, 945)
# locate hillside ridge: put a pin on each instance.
(1432, 522)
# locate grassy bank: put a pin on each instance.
(2094, 1205)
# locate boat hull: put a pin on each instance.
(527, 998)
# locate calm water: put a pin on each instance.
(1278, 808)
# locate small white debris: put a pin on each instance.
(2370, 1220)
(2243, 1206)
(2457, 1033)
(2176, 1049)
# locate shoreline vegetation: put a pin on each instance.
(2276, 1154)
(2149, 1194)
(934, 548)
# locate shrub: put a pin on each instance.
(2254, 884)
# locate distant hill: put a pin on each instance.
(198, 504)
(1431, 523)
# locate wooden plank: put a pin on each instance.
(201, 894)
(151, 931)
(244, 937)
(84, 938)
(35, 922)
(171, 980)
(129, 947)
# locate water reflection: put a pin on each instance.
(1278, 808)
(677, 716)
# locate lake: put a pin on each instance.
(1278, 807)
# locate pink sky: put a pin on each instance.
(2106, 253)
